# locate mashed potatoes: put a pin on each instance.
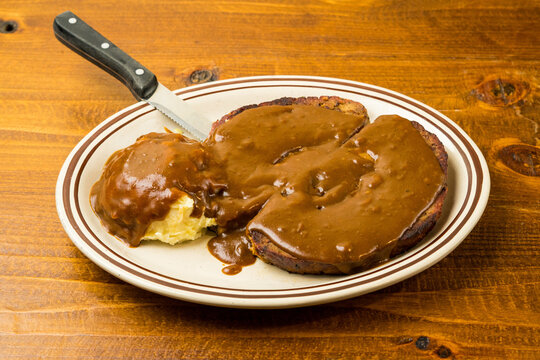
(178, 226)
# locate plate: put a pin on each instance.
(188, 272)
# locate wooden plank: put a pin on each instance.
(456, 56)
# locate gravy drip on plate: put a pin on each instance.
(232, 248)
(314, 181)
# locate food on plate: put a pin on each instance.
(178, 225)
(137, 197)
(309, 182)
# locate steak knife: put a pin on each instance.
(70, 30)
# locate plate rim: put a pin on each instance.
(266, 299)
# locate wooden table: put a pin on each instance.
(475, 61)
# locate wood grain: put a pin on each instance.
(476, 61)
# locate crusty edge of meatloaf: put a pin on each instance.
(328, 102)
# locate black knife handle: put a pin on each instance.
(87, 42)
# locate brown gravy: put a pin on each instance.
(232, 248)
(314, 181)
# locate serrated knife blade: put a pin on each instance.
(180, 112)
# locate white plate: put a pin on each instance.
(190, 273)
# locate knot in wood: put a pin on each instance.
(522, 158)
(501, 92)
(443, 352)
(422, 343)
(8, 27)
(202, 76)
(404, 340)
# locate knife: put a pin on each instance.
(70, 30)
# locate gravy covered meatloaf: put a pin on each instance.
(313, 186)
